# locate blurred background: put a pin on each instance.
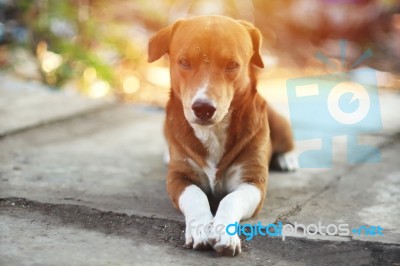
(98, 48)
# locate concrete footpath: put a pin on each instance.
(82, 182)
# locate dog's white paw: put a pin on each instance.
(223, 243)
(286, 162)
(196, 233)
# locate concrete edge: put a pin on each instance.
(59, 119)
(156, 228)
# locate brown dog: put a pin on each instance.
(221, 132)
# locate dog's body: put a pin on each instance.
(221, 132)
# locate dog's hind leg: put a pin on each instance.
(166, 157)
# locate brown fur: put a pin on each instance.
(255, 131)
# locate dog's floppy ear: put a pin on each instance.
(159, 44)
(256, 39)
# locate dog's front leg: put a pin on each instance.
(198, 217)
(238, 205)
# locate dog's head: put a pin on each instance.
(211, 58)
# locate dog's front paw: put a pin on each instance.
(223, 243)
(196, 234)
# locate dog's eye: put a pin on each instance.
(184, 63)
(232, 66)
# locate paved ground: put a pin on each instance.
(82, 183)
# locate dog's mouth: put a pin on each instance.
(204, 122)
(193, 120)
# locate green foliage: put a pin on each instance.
(79, 51)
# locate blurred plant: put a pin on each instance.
(97, 46)
(64, 39)
(72, 45)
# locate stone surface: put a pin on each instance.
(92, 154)
(26, 104)
(366, 195)
(45, 234)
(110, 160)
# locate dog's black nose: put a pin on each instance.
(203, 110)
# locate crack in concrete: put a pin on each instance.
(284, 216)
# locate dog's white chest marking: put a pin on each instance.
(214, 139)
